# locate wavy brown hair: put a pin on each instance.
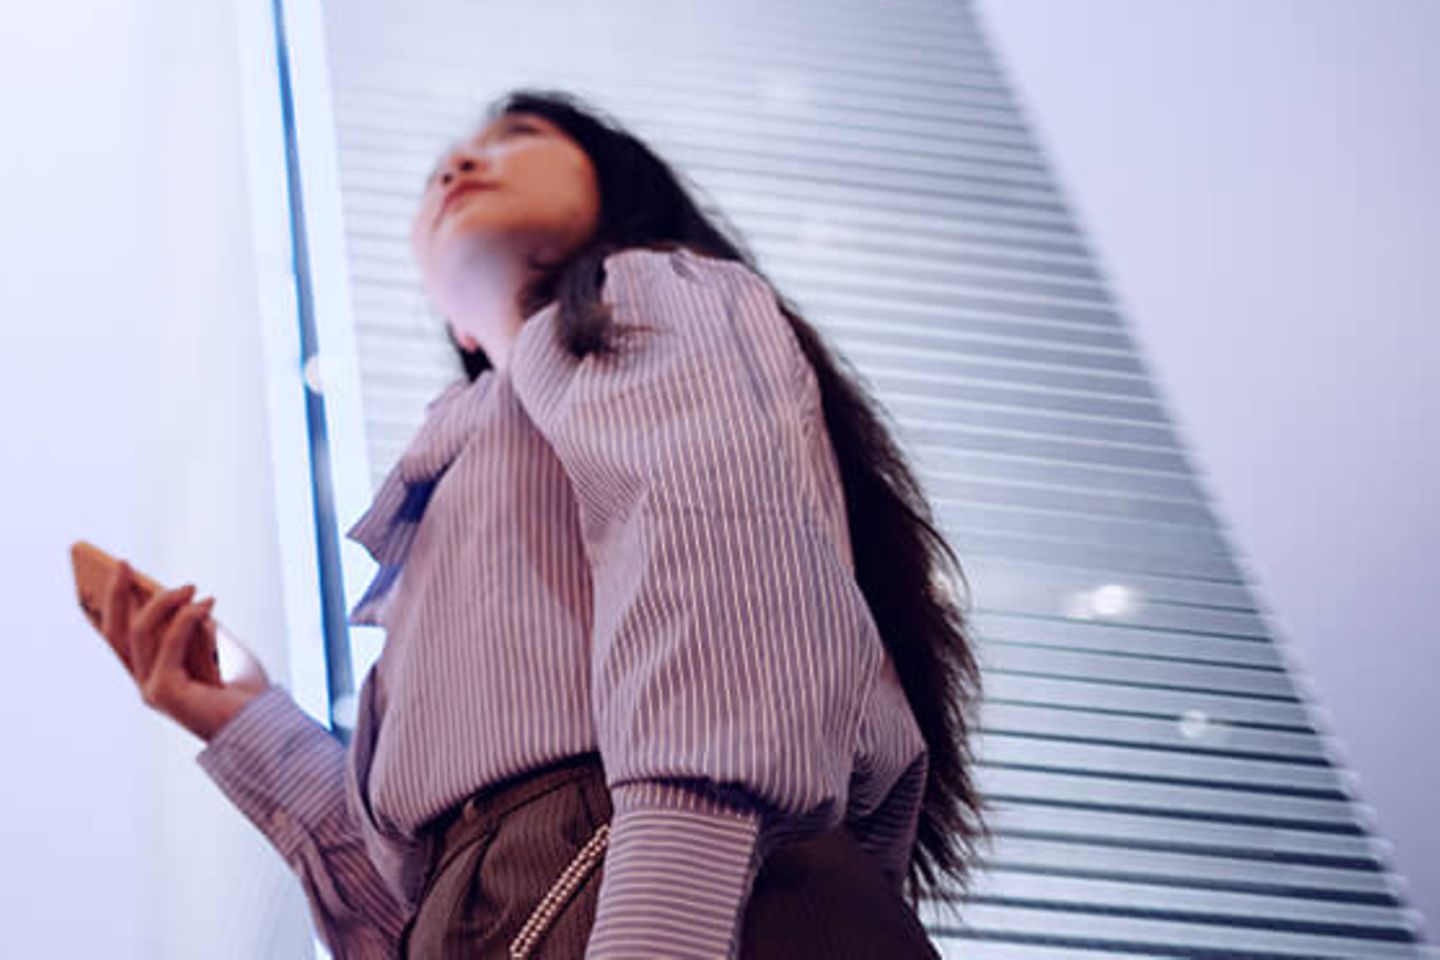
(903, 564)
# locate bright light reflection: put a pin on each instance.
(1113, 600)
(1193, 724)
(1197, 725)
(344, 710)
(313, 378)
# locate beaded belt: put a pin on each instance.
(555, 898)
(491, 804)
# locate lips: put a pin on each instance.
(455, 194)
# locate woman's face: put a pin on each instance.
(525, 189)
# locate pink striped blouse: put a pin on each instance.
(645, 554)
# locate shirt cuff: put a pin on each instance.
(678, 872)
(281, 768)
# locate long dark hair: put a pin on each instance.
(905, 569)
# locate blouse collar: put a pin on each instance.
(388, 527)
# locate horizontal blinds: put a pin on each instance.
(1160, 787)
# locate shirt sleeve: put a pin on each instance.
(732, 648)
(286, 774)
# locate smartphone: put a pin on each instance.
(95, 569)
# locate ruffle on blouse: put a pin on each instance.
(388, 527)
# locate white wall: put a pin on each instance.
(129, 378)
(1258, 178)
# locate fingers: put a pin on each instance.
(147, 626)
(169, 661)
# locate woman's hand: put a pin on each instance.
(152, 643)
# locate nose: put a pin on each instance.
(449, 172)
(456, 164)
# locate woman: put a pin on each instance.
(670, 667)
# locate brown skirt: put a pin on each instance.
(515, 872)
